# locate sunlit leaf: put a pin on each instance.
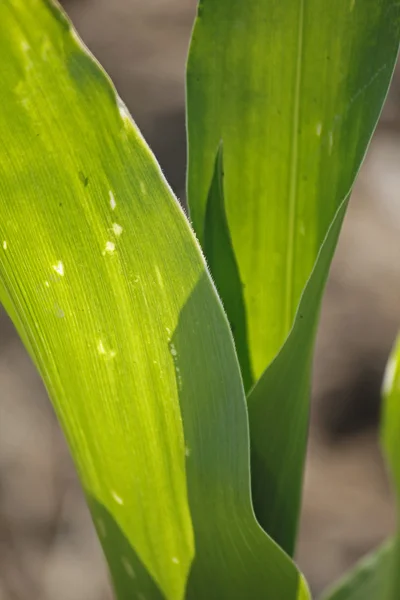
(390, 426)
(292, 90)
(106, 284)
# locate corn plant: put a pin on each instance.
(180, 375)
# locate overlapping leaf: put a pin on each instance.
(107, 286)
(292, 91)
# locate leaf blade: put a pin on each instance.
(295, 105)
(377, 575)
(107, 286)
(371, 578)
(222, 263)
(278, 464)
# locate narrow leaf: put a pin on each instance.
(222, 262)
(276, 462)
(390, 426)
(378, 575)
(370, 580)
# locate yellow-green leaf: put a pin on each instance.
(105, 281)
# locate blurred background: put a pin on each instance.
(48, 549)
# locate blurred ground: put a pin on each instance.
(48, 550)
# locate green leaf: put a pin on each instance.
(390, 425)
(222, 263)
(370, 580)
(277, 464)
(293, 91)
(107, 286)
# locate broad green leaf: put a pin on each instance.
(378, 575)
(293, 91)
(107, 286)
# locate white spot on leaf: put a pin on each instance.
(174, 355)
(142, 187)
(113, 203)
(117, 498)
(102, 350)
(159, 277)
(178, 376)
(187, 451)
(59, 268)
(318, 129)
(175, 560)
(4, 245)
(109, 248)
(117, 229)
